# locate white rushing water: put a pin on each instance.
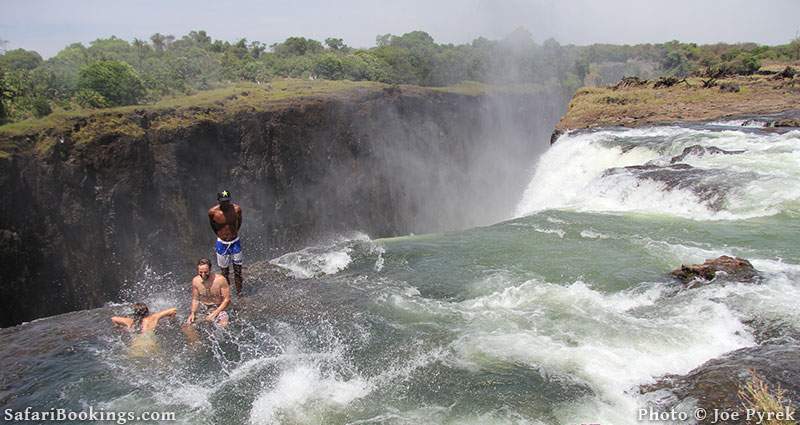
(763, 180)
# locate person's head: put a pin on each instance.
(224, 198)
(204, 268)
(140, 311)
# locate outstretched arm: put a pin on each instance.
(122, 321)
(168, 312)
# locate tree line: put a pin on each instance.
(112, 71)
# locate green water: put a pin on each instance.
(554, 317)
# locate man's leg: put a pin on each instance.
(223, 261)
(236, 254)
(237, 277)
(226, 272)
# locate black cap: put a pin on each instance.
(223, 196)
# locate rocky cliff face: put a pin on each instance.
(80, 219)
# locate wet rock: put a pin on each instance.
(773, 331)
(715, 384)
(710, 186)
(787, 122)
(556, 134)
(755, 123)
(698, 150)
(735, 269)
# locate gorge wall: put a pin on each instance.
(81, 219)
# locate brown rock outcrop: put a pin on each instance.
(735, 268)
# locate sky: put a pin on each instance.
(49, 25)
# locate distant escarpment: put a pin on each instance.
(88, 202)
(633, 102)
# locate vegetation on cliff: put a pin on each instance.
(209, 106)
(113, 72)
(635, 102)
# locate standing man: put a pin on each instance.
(226, 219)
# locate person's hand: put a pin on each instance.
(211, 317)
(190, 319)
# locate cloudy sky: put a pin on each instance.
(48, 25)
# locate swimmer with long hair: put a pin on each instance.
(143, 324)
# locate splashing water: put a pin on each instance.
(554, 317)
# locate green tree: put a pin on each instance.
(90, 99)
(159, 42)
(41, 107)
(116, 81)
(297, 46)
(18, 59)
(794, 48)
(336, 44)
(329, 67)
(6, 95)
(199, 37)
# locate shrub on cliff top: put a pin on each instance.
(115, 81)
(90, 99)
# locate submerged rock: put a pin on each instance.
(770, 330)
(735, 268)
(710, 186)
(715, 384)
(787, 122)
(698, 150)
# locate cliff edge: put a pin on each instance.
(633, 102)
(90, 202)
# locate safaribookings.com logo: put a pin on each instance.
(91, 415)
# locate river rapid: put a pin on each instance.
(555, 316)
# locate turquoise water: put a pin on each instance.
(554, 316)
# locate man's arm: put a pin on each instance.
(122, 321)
(226, 299)
(214, 225)
(238, 218)
(190, 319)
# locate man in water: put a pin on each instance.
(144, 324)
(226, 219)
(211, 291)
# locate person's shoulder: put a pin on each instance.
(196, 280)
(124, 321)
(213, 209)
(220, 279)
(237, 207)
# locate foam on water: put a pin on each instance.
(327, 258)
(302, 392)
(748, 123)
(610, 342)
(591, 234)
